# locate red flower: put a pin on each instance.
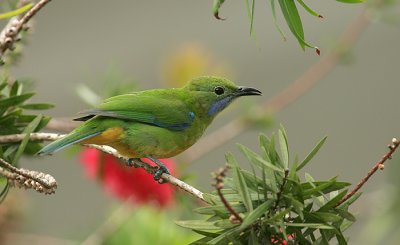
(281, 242)
(127, 182)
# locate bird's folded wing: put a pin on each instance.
(162, 111)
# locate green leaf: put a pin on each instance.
(349, 201)
(28, 130)
(201, 241)
(45, 120)
(256, 213)
(345, 214)
(238, 207)
(312, 153)
(14, 101)
(240, 182)
(278, 216)
(10, 150)
(297, 205)
(37, 106)
(5, 187)
(206, 233)
(198, 225)
(308, 9)
(272, 154)
(216, 6)
(351, 1)
(341, 240)
(209, 198)
(293, 170)
(331, 203)
(16, 89)
(275, 19)
(250, 13)
(293, 21)
(225, 224)
(256, 159)
(284, 147)
(322, 187)
(310, 225)
(326, 216)
(224, 236)
(2, 86)
(16, 12)
(253, 240)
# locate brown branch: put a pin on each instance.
(14, 138)
(287, 96)
(29, 179)
(379, 165)
(109, 150)
(9, 35)
(219, 184)
(151, 170)
(279, 194)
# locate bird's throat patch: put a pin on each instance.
(219, 105)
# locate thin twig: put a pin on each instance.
(379, 165)
(279, 194)
(288, 95)
(9, 35)
(20, 177)
(109, 150)
(14, 138)
(219, 184)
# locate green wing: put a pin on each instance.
(155, 107)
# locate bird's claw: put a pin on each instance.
(157, 175)
(130, 162)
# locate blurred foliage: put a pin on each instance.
(290, 12)
(192, 60)
(148, 225)
(113, 82)
(275, 205)
(14, 119)
(15, 12)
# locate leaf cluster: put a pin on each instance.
(276, 206)
(289, 9)
(14, 119)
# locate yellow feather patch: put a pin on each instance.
(109, 136)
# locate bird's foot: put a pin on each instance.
(157, 175)
(161, 170)
(131, 162)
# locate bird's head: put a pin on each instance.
(214, 94)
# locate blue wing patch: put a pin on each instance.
(178, 126)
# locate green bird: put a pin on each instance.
(157, 123)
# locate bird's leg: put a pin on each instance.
(131, 161)
(162, 169)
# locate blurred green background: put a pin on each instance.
(77, 42)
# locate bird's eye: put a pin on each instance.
(219, 90)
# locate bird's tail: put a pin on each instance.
(70, 139)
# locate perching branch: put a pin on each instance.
(219, 184)
(29, 179)
(379, 165)
(151, 170)
(109, 150)
(9, 35)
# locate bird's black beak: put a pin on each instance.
(245, 91)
